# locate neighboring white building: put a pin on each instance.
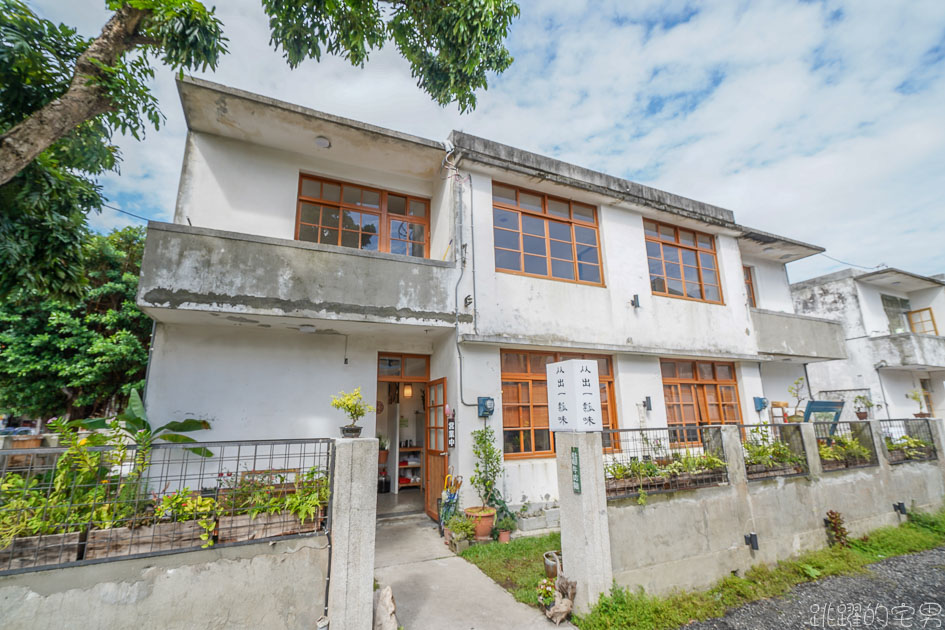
(893, 342)
(311, 254)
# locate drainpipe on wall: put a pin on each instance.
(882, 388)
(461, 249)
(147, 368)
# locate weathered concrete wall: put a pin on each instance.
(772, 289)
(690, 539)
(225, 272)
(280, 585)
(798, 335)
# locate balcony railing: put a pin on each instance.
(843, 445)
(908, 440)
(81, 504)
(773, 450)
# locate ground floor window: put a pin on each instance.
(525, 430)
(698, 393)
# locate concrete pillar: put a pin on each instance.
(585, 531)
(353, 517)
(937, 426)
(814, 468)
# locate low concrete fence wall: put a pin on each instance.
(692, 538)
(261, 585)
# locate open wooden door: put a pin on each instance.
(436, 457)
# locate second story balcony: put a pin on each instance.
(910, 351)
(798, 336)
(242, 277)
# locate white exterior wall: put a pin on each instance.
(772, 289)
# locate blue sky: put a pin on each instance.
(820, 120)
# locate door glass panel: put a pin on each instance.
(331, 192)
(415, 366)
(396, 204)
(311, 188)
(418, 208)
(388, 366)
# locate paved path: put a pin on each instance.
(437, 590)
(902, 592)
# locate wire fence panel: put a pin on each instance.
(843, 445)
(645, 461)
(81, 503)
(908, 440)
(773, 450)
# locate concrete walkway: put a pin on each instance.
(437, 590)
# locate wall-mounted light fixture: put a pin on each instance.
(635, 302)
(322, 142)
(408, 390)
(752, 541)
(648, 403)
(900, 507)
(468, 301)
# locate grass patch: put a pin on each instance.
(517, 566)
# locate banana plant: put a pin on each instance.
(133, 421)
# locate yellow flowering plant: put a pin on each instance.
(352, 404)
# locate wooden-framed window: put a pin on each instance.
(546, 237)
(682, 263)
(750, 285)
(525, 430)
(896, 309)
(926, 385)
(698, 393)
(403, 368)
(922, 321)
(349, 215)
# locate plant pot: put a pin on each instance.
(861, 415)
(350, 431)
(505, 536)
(126, 541)
(382, 457)
(795, 418)
(37, 551)
(922, 415)
(447, 536)
(242, 527)
(552, 563)
(485, 518)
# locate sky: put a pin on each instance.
(822, 121)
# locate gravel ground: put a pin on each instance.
(902, 592)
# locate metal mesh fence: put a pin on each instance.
(80, 503)
(908, 440)
(844, 445)
(773, 450)
(646, 461)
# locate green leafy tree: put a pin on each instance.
(62, 96)
(78, 358)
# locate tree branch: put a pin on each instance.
(82, 101)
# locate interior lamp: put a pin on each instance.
(408, 390)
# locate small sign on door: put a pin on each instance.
(574, 396)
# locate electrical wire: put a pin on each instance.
(843, 262)
(130, 214)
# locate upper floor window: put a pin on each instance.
(337, 213)
(548, 237)
(896, 309)
(922, 321)
(750, 285)
(682, 262)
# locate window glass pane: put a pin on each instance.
(331, 192)
(686, 369)
(529, 201)
(562, 269)
(559, 208)
(398, 230)
(509, 415)
(542, 440)
(418, 208)
(653, 250)
(388, 366)
(649, 228)
(561, 250)
(670, 253)
(533, 225)
(712, 293)
(506, 239)
(686, 237)
(603, 368)
(689, 257)
(505, 219)
(667, 233)
(711, 392)
(533, 245)
(691, 274)
(585, 235)
(350, 239)
(537, 363)
(705, 241)
(503, 194)
(510, 392)
(658, 284)
(505, 259)
(668, 368)
(729, 414)
(398, 247)
(693, 290)
(330, 217)
(370, 241)
(536, 265)
(309, 213)
(352, 194)
(583, 213)
(514, 362)
(396, 204)
(308, 233)
(329, 237)
(728, 394)
(511, 442)
(587, 254)
(723, 372)
(588, 273)
(371, 199)
(705, 371)
(417, 232)
(674, 287)
(710, 277)
(707, 260)
(311, 188)
(560, 231)
(370, 223)
(418, 249)
(673, 271)
(351, 220)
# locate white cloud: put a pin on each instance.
(817, 120)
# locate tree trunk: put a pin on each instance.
(82, 101)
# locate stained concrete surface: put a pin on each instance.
(435, 589)
(407, 501)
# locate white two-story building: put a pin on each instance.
(311, 254)
(893, 342)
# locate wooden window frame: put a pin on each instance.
(749, 284)
(530, 378)
(700, 402)
(385, 218)
(400, 378)
(931, 318)
(544, 214)
(698, 250)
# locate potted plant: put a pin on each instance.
(505, 526)
(487, 469)
(769, 457)
(354, 406)
(862, 405)
(919, 398)
(796, 390)
(382, 451)
(462, 529)
(908, 448)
